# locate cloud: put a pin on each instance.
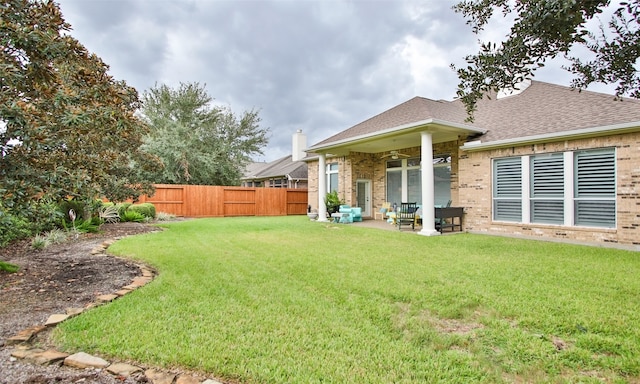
(319, 66)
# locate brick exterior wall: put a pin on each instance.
(471, 180)
(370, 166)
(475, 192)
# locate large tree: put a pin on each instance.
(543, 30)
(67, 129)
(199, 143)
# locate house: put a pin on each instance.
(544, 161)
(286, 172)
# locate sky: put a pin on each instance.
(321, 66)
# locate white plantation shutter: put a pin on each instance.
(507, 191)
(595, 188)
(547, 189)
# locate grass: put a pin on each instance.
(8, 267)
(285, 300)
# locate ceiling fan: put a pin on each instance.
(394, 155)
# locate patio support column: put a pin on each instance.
(428, 189)
(322, 187)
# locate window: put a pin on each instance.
(595, 188)
(332, 177)
(572, 188)
(442, 179)
(507, 189)
(547, 188)
(394, 181)
(404, 180)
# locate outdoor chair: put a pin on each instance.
(386, 207)
(406, 215)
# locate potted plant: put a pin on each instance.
(312, 214)
(332, 202)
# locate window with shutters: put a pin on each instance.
(595, 188)
(572, 189)
(547, 188)
(507, 189)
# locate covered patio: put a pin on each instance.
(384, 147)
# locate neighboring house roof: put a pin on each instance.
(281, 167)
(540, 109)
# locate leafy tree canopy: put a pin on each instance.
(67, 129)
(199, 143)
(543, 30)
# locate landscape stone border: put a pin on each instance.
(24, 350)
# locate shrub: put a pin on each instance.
(146, 209)
(39, 242)
(163, 216)
(13, 228)
(92, 225)
(132, 216)
(109, 213)
(122, 208)
(56, 236)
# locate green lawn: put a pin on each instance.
(286, 300)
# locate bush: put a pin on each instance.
(84, 226)
(133, 216)
(30, 219)
(163, 216)
(146, 209)
(109, 213)
(56, 236)
(122, 208)
(13, 228)
(39, 242)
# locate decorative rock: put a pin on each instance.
(74, 311)
(47, 357)
(24, 353)
(140, 281)
(25, 335)
(123, 292)
(107, 243)
(158, 377)
(122, 369)
(106, 298)
(55, 319)
(146, 272)
(186, 379)
(211, 381)
(83, 360)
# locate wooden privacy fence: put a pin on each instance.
(218, 201)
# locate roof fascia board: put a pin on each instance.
(575, 134)
(391, 131)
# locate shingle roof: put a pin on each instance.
(545, 108)
(542, 108)
(277, 168)
(411, 111)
